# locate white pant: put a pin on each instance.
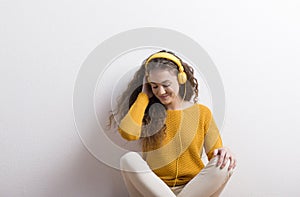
(141, 181)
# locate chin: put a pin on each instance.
(165, 102)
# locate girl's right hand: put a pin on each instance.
(147, 88)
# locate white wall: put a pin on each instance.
(254, 44)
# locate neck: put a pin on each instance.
(177, 104)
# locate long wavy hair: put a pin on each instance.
(153, 126)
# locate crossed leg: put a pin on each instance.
(210, 182)
(140, 180)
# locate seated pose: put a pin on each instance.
(159, 108)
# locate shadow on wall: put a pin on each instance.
(81, 173)
(84, 175)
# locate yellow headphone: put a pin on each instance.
(181, 75)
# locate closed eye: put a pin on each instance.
(154, 86)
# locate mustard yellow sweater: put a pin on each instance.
(188, 131)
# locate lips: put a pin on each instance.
(164, 97)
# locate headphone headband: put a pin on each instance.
(166, 55)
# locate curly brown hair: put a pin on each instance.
(153, 126)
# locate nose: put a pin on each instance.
(161, 90)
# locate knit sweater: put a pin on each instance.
(188, 131)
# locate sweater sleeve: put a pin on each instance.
(131, 125)
(212, 138)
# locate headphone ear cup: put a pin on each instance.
(182, 77)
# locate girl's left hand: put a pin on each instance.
(224, 155)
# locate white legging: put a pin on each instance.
(141, 181)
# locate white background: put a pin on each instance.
(254, 44)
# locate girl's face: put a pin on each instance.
(165, 87)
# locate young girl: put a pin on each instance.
(156, 108)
